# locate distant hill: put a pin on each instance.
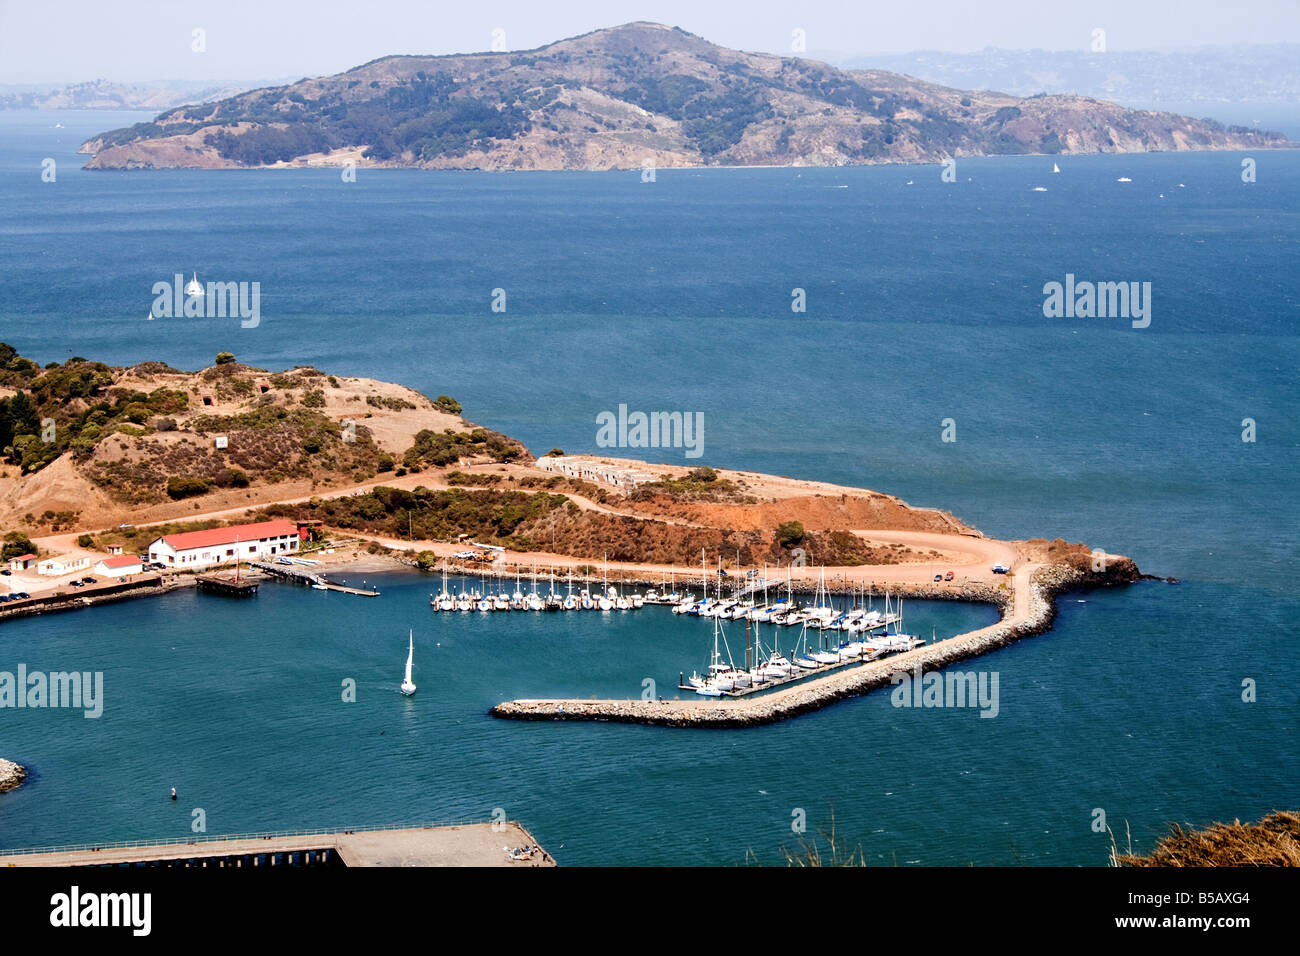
(1251, 74)
(620, 97)
(103, 95)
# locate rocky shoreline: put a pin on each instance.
(11, 775)
(776, 705)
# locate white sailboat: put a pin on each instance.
(1055, 168)
(194, 288)
(408, 685)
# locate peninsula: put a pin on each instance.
(149, 450)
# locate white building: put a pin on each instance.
(64, 565)
(194, 550)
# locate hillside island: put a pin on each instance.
(635, 96)
(150, 471)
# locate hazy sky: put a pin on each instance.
(60, 41)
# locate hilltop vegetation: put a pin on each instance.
(152, 434)
(619, 97)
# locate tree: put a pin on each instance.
(225, 358)
(16, 543)
(448, 404)
(789, 533)
(425, 560)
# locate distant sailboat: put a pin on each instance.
(149, 317)
(408, 686)
(1123, 179)
(1055, 168)
(194, 288)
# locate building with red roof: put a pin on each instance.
(119, 565)
(194, 550)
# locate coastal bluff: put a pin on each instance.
(11, 775)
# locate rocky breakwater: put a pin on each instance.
(1025, 613)
(11, 775)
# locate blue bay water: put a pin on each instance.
(924, 303)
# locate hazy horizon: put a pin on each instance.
(76, 41)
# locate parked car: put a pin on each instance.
(5, 571)
(938, 577)
(948, 576)
(89, 581)
(1000, 569)
(76, 584)
(5, 598)
(22, 595)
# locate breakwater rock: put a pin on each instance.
(11, 775)
(1027, 611)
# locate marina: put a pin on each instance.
(1031, 612)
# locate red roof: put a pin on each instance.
(189, 540)
(24, 557)
(120, 561)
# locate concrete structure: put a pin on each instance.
(195, 550)
(24, 562)
(587, 469)
(119, 566)
(476, 844)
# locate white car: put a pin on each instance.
(1000, 569)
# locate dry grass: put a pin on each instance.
(836, 853)
(1274, 841)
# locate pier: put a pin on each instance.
(472, 844)
(300, 575)
(226, 585)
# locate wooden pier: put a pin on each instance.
(300, 575)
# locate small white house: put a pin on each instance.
(119, 566)
(55, 567)
(24, 562)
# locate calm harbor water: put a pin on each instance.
(924, 303)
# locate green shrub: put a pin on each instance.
(178, 488)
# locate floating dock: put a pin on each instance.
(799, 674)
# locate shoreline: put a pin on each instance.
(901, 164)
